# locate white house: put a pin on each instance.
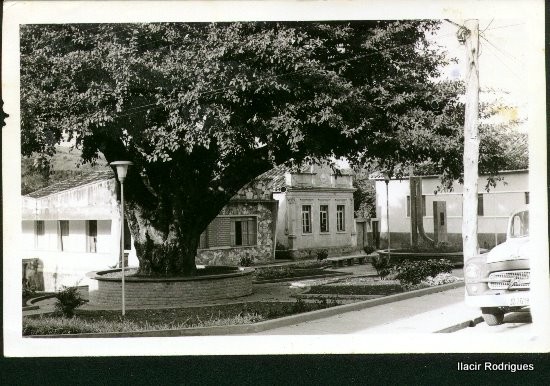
(494, 207)
(73, 227)
(315, 211)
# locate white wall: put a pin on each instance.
(71, 265)
(498, 203)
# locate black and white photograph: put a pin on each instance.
(274, 178)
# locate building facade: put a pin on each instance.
(494, 208)
(73, 227)
(315, 211)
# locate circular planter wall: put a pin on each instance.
(145, 291)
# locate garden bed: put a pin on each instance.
(104, 321)
(358, 286)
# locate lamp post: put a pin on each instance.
(387, 181)
(121, 168)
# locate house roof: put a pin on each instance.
(73, 182)
(275, 178)
(379, 176)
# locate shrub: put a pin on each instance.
(29, 291)
(68, 300)
(414, 272)
(246, 261)
(442, 278)
(369, 249)
(322, 254)
(382, 265)
(282, 252)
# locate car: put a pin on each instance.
(498, 282)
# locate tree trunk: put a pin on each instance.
(166, 248)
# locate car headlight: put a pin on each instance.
(472, 272)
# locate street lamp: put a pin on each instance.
(121, 168)
(387, 181)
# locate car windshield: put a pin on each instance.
(519, 226)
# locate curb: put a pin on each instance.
(266, 325)
(461, 326)
(299, 278)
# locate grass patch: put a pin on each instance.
(86, 321)
(290, 273)
(377, 289)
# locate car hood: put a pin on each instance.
(511, 249)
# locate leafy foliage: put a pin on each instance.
(412, 272)
(68, 300)
(382, 265)
(201, 109)
(364, 197)
(322, 254)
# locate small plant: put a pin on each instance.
(369, 249)
(282, 252)
(29, 291)
(68, 300)
(382, 265)
(414, 272)
(322, 254)
(246, 261)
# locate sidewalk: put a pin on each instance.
(424, 314)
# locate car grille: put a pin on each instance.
(501, 280)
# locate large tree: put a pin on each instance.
(203, 108)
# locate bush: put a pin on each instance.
(442, 278)
(29, 291)
(322, 254)
(282, 252)
(246, 261)
(382, 265)
(369, 249)
(414, 272)
(68, 300)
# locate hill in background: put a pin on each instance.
(66, 163)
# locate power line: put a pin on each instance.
(503, 52)
(503, 26)
(500, 60)
(488, 25)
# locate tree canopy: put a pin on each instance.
(203, 108)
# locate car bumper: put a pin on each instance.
(515, 299)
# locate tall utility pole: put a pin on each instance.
(469, 36)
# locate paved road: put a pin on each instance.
(514, 322)
(424, 314)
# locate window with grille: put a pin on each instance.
(480, 204)
(323, 218)
(39, 231)
(63, 234)
(306, 218)
(91, 236)
(229, 232)
(340, 218)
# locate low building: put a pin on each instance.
(494, 208)
(315, 211)
(73, 227)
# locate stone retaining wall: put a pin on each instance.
(172, 292)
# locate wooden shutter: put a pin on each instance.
(202, 240)
(232, 233)
(219, 232)
(252, 231)
(91, 239)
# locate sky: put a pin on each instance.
(502, 60)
